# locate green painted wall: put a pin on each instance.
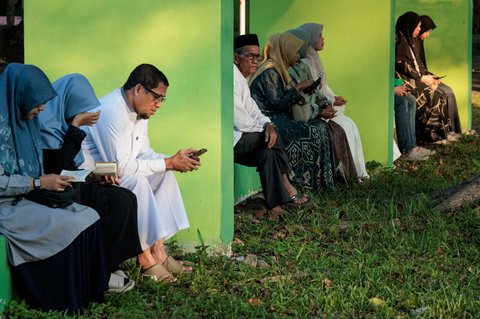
(5, 276)
(191, 41)
(247, 182)
(357, 57)
(448, 49)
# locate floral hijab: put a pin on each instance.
(22, 88)
(279, 53)
(75, 95)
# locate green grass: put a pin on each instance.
(378, 250)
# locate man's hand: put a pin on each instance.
(270, 135)
(339, 101)
(55, 182)
(182, 162)
(86, 118)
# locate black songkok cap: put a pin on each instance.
(245, 39)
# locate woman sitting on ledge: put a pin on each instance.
(56, 254)
(307, 145)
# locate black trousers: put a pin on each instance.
(251, 150)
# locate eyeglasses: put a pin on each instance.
(156, 97)
(251, 56)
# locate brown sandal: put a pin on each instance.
(159, 273)
(174, 266)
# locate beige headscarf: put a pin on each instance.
(279, 52)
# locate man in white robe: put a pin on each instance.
(256, 142)
(121, 136)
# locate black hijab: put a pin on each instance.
(427, 24)
(406, 24)
(406, 47)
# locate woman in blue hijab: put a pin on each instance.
(62, 139)
(56, 254)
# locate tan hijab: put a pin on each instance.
(279, 53)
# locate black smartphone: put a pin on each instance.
(309, 89)
(198, 153)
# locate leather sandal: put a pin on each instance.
(174, 266)
(299, 199)
(158, 273)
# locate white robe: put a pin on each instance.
(120, 137)
(247, 117)
(353, 135)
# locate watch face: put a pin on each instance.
(36, 182)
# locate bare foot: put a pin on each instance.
(260, 213)
(276, 212)
(158, 252)
(145, 260)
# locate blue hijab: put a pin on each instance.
(305, 37)
(314, 29)
(22, 88)
(75, 95)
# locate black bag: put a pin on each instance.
(53, 199)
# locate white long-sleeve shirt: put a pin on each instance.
(247, 117)
(120, 137)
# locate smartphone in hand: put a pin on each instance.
(309, 89)
(197, 153)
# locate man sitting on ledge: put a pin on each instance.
(256, 143)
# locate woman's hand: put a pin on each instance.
(328, 113)
(427, 79)
(86, 118)
(55, 182)
(339, 101)
(302, 85)
(109, 180)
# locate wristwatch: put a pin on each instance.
(36, 183)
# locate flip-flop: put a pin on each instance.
(119, 283)
(175, 267)
(158, 273)
(296, 199)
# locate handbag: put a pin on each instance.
(301, 111)
(52, 198)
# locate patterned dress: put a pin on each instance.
(433, 122)
(307, 144)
